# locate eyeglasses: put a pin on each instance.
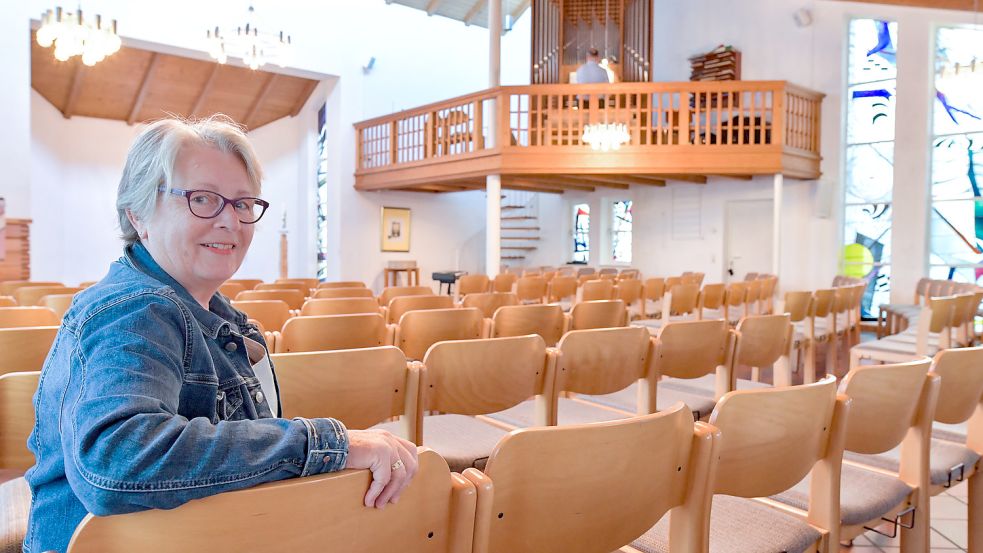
(208, 205)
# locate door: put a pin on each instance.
(748, 238)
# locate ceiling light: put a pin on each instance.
(253, 47)
(73, 35)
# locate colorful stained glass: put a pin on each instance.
(322, 195)
(621, 231)
(581, 233)
(873, 51)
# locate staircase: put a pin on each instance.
(520, 226)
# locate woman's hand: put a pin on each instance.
(391, 459)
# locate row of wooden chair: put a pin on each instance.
(829, 317)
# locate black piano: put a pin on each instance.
(448, 278)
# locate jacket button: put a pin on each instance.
(326, 459)
(259, 397)
(231, 346)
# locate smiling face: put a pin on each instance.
(199, 253)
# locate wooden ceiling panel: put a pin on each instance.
(173, 87)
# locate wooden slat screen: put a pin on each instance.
(16, 264)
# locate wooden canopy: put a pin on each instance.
(136, 85)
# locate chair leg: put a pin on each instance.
(975, 521)
(916, 539)
(832, 353)
(854, 359)
(756, 374)
(809, 367)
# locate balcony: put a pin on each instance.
(678, 131)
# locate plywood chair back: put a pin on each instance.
(736, 299)
(489, 302)
(681, 299)
(30, 295)
(822, 304)
(341, 284)
(598, 314)
(691, 349)
(531, 289)
(308, 283)
(25, 349)
(340, 306)
(961, 392)
(798, 305)
(594, 290)
(547, 321)
(504, 282)
(59, 303)
(353, 292)
(472, 284)
(936, 318)
(692, 278)
(539, 492)
(8, 301)
(586, 271)
(359, 387)
(753, 296)
(230, 289)
(332, 332)
(247, 283)
(15, 317)
(293, 298)
(672, 281)
(711, 297)
(391, 292)
(561, 287)
(403, 304)
(418, 330)
(17, 418)
(921, 290)
(629, 274)
(606, 360)
(272, 314)
(8, 287)
(937, 288)
(654, 289)
(298, 286)
(477, 377)
(767, 298)
(435, 513)
(628, 290)
(763, 340)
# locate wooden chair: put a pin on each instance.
(766, 302)
(271, 314)
(562, 290)
(489, 302)
(598, 314)
(418, 330)
(548, 321)
(87, 283)
(770, 440)
(531, 289)
(293, 298)
(247, 283)
(59, 303)
(936, 319)
(753, 299)
(8, 301)
(652, 291)
(359, 387)
(30, 295)
(354, 292)
(692, 278)
(594, 290)
(736, 301)
(403, 304)
(504, 282)
(586, 271)
(679, 304)
(472, 284)
(608, 271)
(332, 332)
(25, 349)
(391, 292)
(798, 306)
(298, 286)
(8, 287)
(290, 516)
(765, 341)
(230, 289)
(692, 358)
(888, 313)
(16, 317)
(631, 274)
(891, 406)
(818, 329)
(16, 419)
(341, 284)
(309, 283)
(539, 494)
(711, 302)
(340, 306)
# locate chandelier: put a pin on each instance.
(74, 35)
(255, 48)
(606, 136)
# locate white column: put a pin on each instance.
(776, 230)
(493, 183)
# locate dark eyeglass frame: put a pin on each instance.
(225, 201)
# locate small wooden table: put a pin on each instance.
(412, 276)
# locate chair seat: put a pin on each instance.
(461, 440)
(822, 328)
(945, 458)
(739, 525)
(891, 347)
(865, 495)
(569, 411)
(627, 399)
(706, 385)
(15, 505)
(655, 325)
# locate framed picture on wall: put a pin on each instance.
(395, 231)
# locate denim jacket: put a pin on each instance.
(147, 401)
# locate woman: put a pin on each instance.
(157, 391)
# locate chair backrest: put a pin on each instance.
(961, 392)
(17, 418)
(299, 286)
(539, 492)
(418, 330)
(272, 314)
(476, 377)
(798, 305)
(519, 320)
(247, 283)
(937, 288)
(768, 285)
(25, 349)
(230, 289)
(8, 301)
(763, 340)
(691, 349)
(59, 303)
(30, 295)
(751, 276)
(692, 278)
(503, 282)
(403, 304)
(822, 302)
(562, 287)
(681, 299)
(921, 290)
(672, 281)
(489, 302)
(608, 271)
(339, 306)
(654, 288)
(531, 288)
(391, 292)
(594, 290)
(585, 271)
(737, 293)
(308, 283)
(754, 291)
(712, 296)
(472, 284)
(331, 332)
(341, 284)
(598, 314)
(359, 387)
(8, 287)
(605, 360)
(435, 513)
(629, 273)
(293, 298)
(353, 292)
(628, 290)
(16, 317)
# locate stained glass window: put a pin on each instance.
(581, 232)
(322, 195)
(621, 231)
(956, 224)
(871, 91)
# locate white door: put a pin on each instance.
(748, 238)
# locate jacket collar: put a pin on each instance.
(220, 313)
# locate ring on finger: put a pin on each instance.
(398, 464)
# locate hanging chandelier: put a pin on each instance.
(255, 48)
(73, 35)
(605, 137)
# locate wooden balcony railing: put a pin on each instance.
(724, 117)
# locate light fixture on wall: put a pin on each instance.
(74, 35)
(248, 43)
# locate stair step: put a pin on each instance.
(505, 207)
(524, 248)
(513, 257)
(520, 228)
(520, 237)
(517, 217)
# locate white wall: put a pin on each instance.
(15, 117)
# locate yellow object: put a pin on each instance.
(858, 262)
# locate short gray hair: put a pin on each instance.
(150, 162)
